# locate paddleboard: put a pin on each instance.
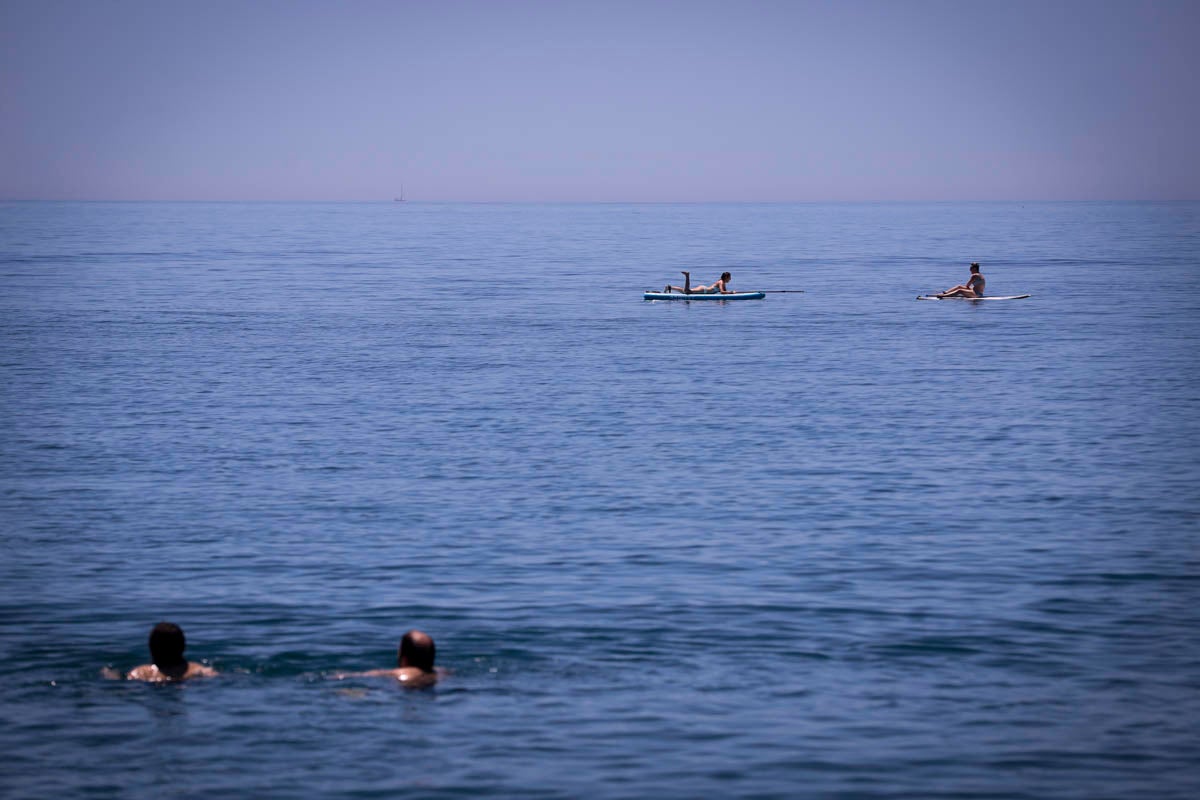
(973, 299)
(704, 296)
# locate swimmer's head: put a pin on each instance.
(416, 650)
(166, 644)
(725, 276)
(974, 266)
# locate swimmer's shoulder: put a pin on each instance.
(152, 674)
(145, 672)
(409, 676)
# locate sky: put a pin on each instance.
(612, 101)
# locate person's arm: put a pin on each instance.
(371, 673)
(198, 670)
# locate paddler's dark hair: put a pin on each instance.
(166, 644)
(725, 276)
(974, 265)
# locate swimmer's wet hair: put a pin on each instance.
(416, 650)
(166, 644)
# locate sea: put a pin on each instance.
(836, 543)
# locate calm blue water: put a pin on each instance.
(836, 544)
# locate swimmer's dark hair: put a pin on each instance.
(416, 650)
(725, 276)
(166, 644)
(975, 265)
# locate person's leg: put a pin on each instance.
(687, 281)
(953, 291)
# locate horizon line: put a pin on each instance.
(597, 202)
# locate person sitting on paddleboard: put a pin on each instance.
(719, 287)
(972, 288)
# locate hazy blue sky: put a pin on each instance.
(604, 100)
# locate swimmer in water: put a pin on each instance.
(719, 287)
(414, 662)
(972, 288)
(166, 651)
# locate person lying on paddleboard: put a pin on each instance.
(719, 287)
(972, 288)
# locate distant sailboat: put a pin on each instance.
(400, 199)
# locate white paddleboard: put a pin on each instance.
(974, 299)
(703, 296)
